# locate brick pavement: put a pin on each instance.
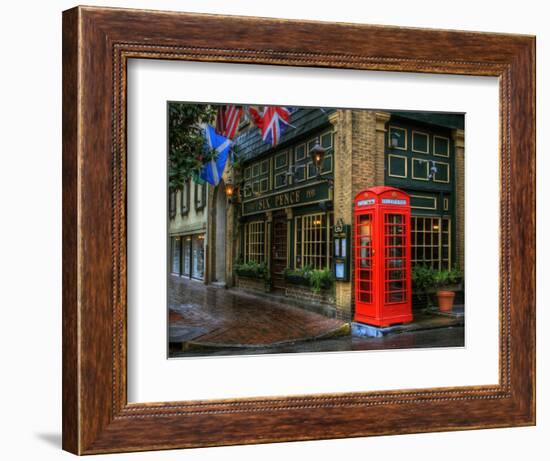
(201, 315)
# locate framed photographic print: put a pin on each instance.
(333, 236)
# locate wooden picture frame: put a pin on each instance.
(97, 43)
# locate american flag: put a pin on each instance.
(271, 122)
(227, 120)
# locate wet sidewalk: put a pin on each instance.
(202, 316)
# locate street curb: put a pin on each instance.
(342, 330)
(370, 331)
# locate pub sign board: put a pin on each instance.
(312, 193)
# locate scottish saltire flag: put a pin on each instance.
(228, 119)
(213, 170)
(272, 122)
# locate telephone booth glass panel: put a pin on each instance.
(395, 290)
(364, 257)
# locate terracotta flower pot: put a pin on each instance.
(445, 300)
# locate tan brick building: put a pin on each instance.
(283, 212)
(188, 231)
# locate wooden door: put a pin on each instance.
(278, 251)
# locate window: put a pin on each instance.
(200, 196)
(397, 166)
(172, 204)
(300, 152)
(311, 144)
(186, 256)
(364, 256)
(420, 142)
(198, 257)
(441, 146)
(264, 185)
(313, 234)
(442, 173)
(264, 169)
(420, 169)
(247, 172)
(281, 160)
(326, 140)
(185, 199)
(397, 138)
(431, 241)
(176, 252)
(300, 173)
(326, 167)
(255, 170)
(280, 180)
(423, 202)
(395, 231)
(254, 241)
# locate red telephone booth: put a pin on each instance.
(382, 256)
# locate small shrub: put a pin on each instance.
(423, 279)
(316, 279)
(251, 269)
(320, 278)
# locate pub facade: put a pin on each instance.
(286, 208)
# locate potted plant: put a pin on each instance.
(447, 283)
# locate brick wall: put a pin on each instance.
(250, 284)
(305, 294)
(458, 136)
(359, 163)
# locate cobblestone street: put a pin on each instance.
(209, 320)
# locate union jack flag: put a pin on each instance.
(272, 122)
(227, 120)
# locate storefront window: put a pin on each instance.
(313, 234)
(186, 256)
(431, 241)
(176, 252)
(254, 247)
(198, 256)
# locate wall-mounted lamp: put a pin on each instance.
(317, 154)
(229, 189)
(231, 192)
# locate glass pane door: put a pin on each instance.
(394, 257)
(176, 251)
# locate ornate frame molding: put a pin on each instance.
(97, 44)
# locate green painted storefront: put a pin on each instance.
(286, 205)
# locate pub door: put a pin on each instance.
(278, 251)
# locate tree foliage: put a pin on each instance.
(186, 152)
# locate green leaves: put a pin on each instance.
(251, 269)
(317, 279)
(186, 154)
(426, 278)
